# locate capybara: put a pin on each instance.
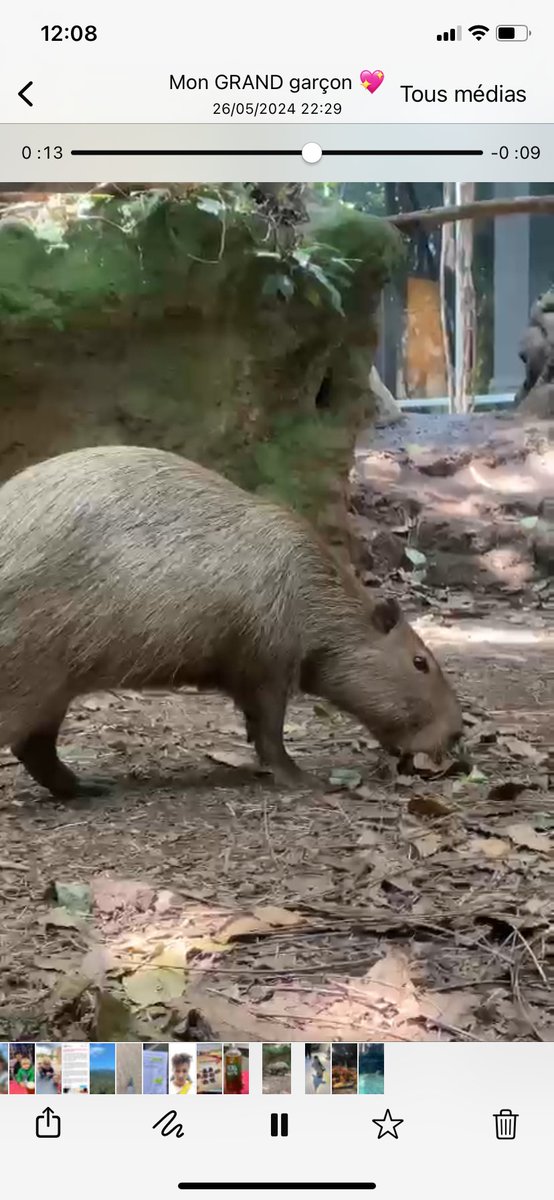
(129, 567)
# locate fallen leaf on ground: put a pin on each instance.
(327, 714)
(427, 844)
(112, 895)
(417, 557)
(231, 758)
(206, 945)
(112, 1021)
(508, 790)
(344, 777)
(429, 806)
(523, 749)
(174, 955)
(96, 964)
(389, 980)
(369, 837)
(310, 885)
(260, 921)
(166, 900)
(68, 989)
(154, 986)
(524, 835)
(492, 847)
(425, 765)
(63, 919)
(449, 1008)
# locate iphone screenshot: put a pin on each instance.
(276, 599)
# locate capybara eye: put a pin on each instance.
(421, 664)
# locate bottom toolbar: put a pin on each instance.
(459, 1119)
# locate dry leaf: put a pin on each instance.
(523, 749)
(63, 919)
(453, 1008)
(112, 1019)
(427, 765)
(429, 806)
(97, 963)
(174, 955)
(392, 971)
(231, 758)
(368, 838)
(508, 790)
(427, 844)
(311, 885)
(112, 895)
(262, 920)
(277, 916)
(344, 777)
(492, 847)
(166, 900)
(525, 835)
(206, 945)
(154, 986)
(70, 988)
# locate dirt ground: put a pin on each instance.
(206, 903)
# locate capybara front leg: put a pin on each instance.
(265, 719)
(38, 754)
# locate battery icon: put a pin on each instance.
(512, 33)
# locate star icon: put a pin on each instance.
(387, 1124)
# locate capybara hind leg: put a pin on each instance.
(265, 718)
(38, 754)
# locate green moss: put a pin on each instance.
(362, 239)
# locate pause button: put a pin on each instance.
(280, 1124)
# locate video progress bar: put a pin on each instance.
(281, 153)
(278, 1187)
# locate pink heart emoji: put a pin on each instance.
(371, 80)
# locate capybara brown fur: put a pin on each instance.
(129, 567)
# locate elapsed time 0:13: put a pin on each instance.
(27, 152)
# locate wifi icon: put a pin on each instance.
(478, 31)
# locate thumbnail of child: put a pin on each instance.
(4, 1068)
(182, 1068)
(317, 1057)
(209, 1069)
(22, 1069)
(48, 1057)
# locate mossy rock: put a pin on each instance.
(180, 322)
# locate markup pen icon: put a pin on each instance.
(505, 1122)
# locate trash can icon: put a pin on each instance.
(505, 1122)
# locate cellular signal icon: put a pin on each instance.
(450, 35)
(478, 31)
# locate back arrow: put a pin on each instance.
(23, 96)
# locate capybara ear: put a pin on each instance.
(386, 614)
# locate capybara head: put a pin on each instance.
(392, 683)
